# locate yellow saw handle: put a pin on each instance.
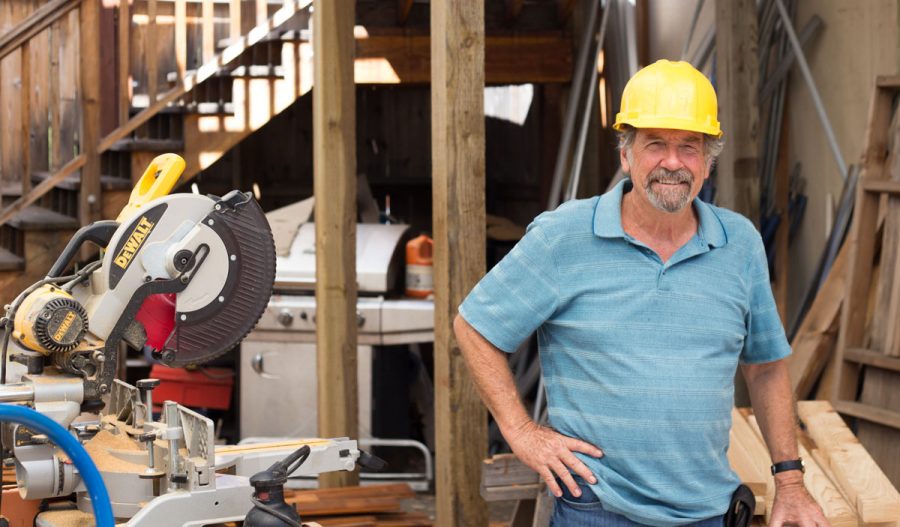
(161, 175)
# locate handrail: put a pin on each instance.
(38, 21)
(226, 57)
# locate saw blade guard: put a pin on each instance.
(208, 328)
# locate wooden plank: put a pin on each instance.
(36, 22)
(208, 31)
(150, 55)
(872, 358)
(835, 507)
(458, 182)
(861, 240)
(25, 114)
(888, 81)
(124, 61)
(180, 37)
(755, 465)
(388, 57)
(815, 341)
(868, 412)
(89, 199)
(868, 489)
(334, 182)
(880, 186)
(880, 436)
(737, 75)
(887, 295)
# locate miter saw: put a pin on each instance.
(186, 277)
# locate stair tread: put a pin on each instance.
(255, 71)
(10, 261)
(35, 218)
(147, 145)
(73, 182)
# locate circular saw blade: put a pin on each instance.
(200, 336)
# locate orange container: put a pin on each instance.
(419, 270)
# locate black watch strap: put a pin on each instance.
(784, 466)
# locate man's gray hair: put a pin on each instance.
(712, 145)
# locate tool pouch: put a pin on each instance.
(740, 511)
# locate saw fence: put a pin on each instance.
(840, 473)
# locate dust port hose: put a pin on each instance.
(79, 456)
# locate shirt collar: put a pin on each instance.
(608, 217)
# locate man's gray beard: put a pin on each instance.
(675, 199)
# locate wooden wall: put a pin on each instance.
(52, 102)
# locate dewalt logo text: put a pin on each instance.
(64, 327)
(135, 240)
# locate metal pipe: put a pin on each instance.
(16, 393)
(704, 49)
(565, 143)
(575, 175)
(690, 35)
(813, 91)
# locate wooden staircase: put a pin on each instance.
(242, 82)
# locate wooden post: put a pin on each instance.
(209, 37)
(124, 61)
(458, 179)
(782, 199)
(234, 16)
(262, 11)
(151, 56)
(180, 38)
(25, 105)
(89, 205)
(334, 181)
(737, 64)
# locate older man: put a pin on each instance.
(645, 301)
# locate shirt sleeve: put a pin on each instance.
(517, 295)
(765, 341)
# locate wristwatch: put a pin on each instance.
(784, 466)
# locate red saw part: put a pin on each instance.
(157, 314)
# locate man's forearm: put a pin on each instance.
(773, 404)
(492, 376)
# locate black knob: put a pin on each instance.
(147, 384)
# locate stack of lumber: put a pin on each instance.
(840, 474)
(370, 506)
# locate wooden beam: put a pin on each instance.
(54, 99)
(36, 22)
(738, 79)
(815, 341)
(262, 11)
(124, 61)
(509, 59)
(334, 180)
(458, 182)
(25, 105)
(403, 9)
(151, 57)
(782, 200)
(89, 199)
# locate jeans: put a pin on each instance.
(587, 511)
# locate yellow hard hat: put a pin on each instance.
(670, 95)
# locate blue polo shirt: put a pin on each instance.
(638, 356)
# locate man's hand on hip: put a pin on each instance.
(794, 506)
(548, 452)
